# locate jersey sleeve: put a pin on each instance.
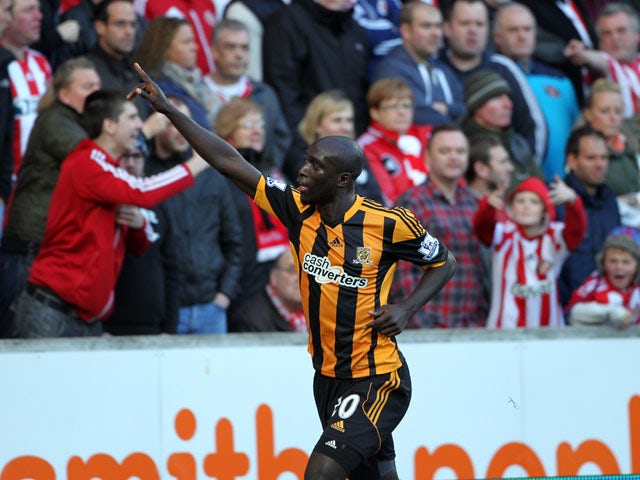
(413, 243)
(279, 199)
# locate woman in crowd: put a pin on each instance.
(241, 123)
(603, 111)
(329, 113)
(168, 50)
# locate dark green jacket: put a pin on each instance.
(56, 132)
(623, 175)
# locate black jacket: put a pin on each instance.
(255, 275)
(257, 314)
(309, 49)
(147, 293)
(6, 125)
(116, 74)
(209, 237)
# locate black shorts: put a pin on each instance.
(358, 416)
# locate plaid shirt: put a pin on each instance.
(462, 302)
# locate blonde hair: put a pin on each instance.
(602, 85)
(322, 105)
(230, 114)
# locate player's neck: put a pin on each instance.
(332, 213)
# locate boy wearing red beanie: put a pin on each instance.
(528, 247)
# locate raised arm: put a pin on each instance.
(215, 151)
(580, 55)
(575, 216)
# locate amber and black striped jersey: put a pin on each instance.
(345, 271)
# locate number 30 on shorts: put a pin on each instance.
(346, 406)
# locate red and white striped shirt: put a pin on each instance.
(524, 270)
(598, 289)
(29, 78)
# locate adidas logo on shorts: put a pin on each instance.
(339, 426)
(331, 443)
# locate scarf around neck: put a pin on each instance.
(191, 80)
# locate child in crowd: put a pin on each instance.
(528, 248)
(611, 295)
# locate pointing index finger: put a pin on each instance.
(141, 72)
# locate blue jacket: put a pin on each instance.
(521, 96)
(441, 85)
(198, 113)
(380, 18)
(602, 217)
(559, 104)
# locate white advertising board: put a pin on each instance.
(479, 409)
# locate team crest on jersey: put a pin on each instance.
(552, 91)
(363, 256)
(429, 247)
(272, 182)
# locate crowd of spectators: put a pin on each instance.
(509, 128)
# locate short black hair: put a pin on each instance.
(479, 146)
(572, 146)
(100, 105)
(101, 10)
(448, 9)
(445, 127)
